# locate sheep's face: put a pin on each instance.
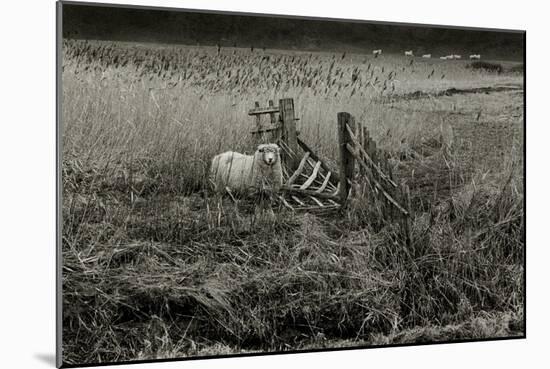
(269, 153)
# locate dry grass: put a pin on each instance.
(154, 268)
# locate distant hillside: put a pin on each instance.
(143, 25)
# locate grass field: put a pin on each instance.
(154, 269)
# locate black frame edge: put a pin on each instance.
(304, 17)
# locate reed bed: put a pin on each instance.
(154, 266)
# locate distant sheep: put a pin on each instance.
(243, 173)
(457, 56)
(443, 57)
(377, 52)
(427, 56)
(475, 57)
(409, 53)
(450, 57)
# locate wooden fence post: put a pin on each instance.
(286, 112)
(346, 158)
(275, 135)
(259, 139)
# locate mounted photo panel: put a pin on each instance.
(235, 184)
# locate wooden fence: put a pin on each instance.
(310, 184)
(281, 127)
(377, 185)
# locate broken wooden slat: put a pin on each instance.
(298, 191)
(325, 183)
(333, 202)
(265, 129)
(257, 110)
(335, 193)
(285, 172)
(284, 147)
(311, 162)
(320, 179)
(286, 150)
(376, 184)
(395, 203)
(369, 159)
(298, 200)
(317, 158)
(319, 209)
(320, 175)
(285, 203)
(316, 201)
(299, 170)
(312, 177)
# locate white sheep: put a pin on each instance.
(443, 57)
(427, 56)
(243, 173)
(376, 53)
(475, 56)
(450, 57)
(409, 53)
(457, 56)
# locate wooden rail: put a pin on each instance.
(346, 161)
(374, 169)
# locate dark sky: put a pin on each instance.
(192, 28)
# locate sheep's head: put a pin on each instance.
(269, 153)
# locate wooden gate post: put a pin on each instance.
(286, 113)
(261, 137)
(276, 134)
(347, 161)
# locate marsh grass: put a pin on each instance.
(155, 266)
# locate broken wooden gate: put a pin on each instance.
(310, 184)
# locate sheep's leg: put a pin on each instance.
(229, 169)
(230, 194)
(214, 173)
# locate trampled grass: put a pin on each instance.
(153, 268)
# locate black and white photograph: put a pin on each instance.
(236, 184)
